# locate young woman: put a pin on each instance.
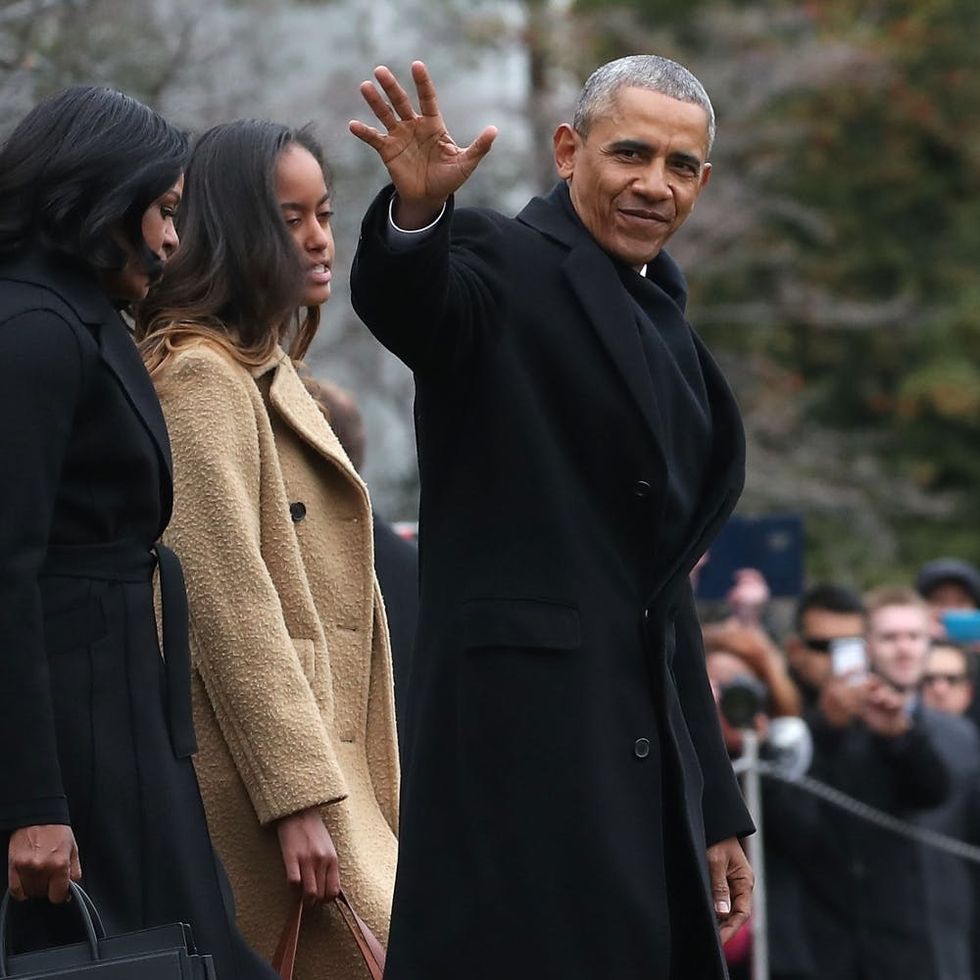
(292, 683)
(95, 726)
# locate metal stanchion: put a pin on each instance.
(752, 788)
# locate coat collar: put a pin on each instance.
(592, 275)
(290, 399)
(76, 286)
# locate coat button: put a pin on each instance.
(641, 748)
(641, 488)
(297, 511)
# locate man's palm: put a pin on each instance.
(425, 163)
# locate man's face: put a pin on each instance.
(898, 643)
(809, 654)
(635, 178)
(950, 595)
(946, 684)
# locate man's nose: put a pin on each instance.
(653, 182)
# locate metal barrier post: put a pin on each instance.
(752, 787)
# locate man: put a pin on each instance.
(883, 906)
(565, 774)
(947, 684)
(949, 583)
(824, 613)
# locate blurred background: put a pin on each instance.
(833, 262)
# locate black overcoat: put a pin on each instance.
(94, 724)
(564, 768)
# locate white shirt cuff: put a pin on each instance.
(403, 238)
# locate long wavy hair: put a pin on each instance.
(78, 173)
(236, 278)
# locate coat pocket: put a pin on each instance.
(533, 623)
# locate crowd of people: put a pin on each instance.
(888, 698)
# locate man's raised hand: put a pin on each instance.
(425, 164)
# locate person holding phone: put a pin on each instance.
(878, 904)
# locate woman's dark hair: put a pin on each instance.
(80, 170)
(237, 277)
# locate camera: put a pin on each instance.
(741, 700)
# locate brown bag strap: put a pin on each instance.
(284, 959)
(370, 948)
(367, 942)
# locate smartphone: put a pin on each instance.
(962, 625)
(849, 656)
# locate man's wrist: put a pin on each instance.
(414, 216)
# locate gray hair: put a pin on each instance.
(648, 71)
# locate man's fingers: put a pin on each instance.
(366, 134)
(425, 89)
(397, 96)
(731, 925)
(75, 870)
(720, 894)
(378, 105)
(480, 147)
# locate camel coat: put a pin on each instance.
(292, 669)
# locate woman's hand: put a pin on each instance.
(41, 861)
(309, 856)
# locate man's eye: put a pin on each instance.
(325, 217)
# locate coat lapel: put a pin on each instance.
(79, 289)
(120, 355)
(290, 399)
(726, 472)
(593, 279)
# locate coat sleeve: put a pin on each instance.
(431, 304)
(725, 813)
(253, 675)
(43, 376)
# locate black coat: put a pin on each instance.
(94, 724)
(866, 899)
(396, 562)
(564, 766)
(948, 895)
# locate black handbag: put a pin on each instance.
(158, 953)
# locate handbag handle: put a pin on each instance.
(370, 948)
(91, 923)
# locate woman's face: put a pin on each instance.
(132, 282)
(305, 205)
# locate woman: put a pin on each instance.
(95, 727)
(292, 683)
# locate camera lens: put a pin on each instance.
(741, 700)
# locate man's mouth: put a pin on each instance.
(645, 214)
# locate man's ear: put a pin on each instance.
(566, 142)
